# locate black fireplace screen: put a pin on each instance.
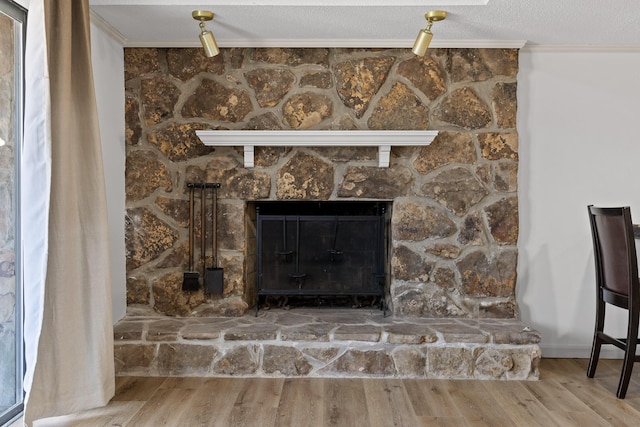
(321, 249)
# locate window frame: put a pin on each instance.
(19, 14)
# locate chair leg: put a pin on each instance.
(629, 355)
(597, 341)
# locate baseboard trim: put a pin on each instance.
(578, 352)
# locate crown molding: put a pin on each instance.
(303, 3)
(108, 29)
(581, 49)
(334, 43)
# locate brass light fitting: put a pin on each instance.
(425, 35)
(206, 37)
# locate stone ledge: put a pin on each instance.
(327, 343)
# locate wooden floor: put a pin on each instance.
(563, 396)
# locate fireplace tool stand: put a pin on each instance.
(212, 277)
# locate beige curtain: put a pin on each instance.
(68, 324)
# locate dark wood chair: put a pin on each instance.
(616, 283)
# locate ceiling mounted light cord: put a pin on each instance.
(425, 36)
(206, 37)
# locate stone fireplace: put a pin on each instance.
(454, 224)
(452, 218)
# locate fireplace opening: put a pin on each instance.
(322, 253)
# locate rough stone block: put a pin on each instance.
(459, 333)
(464, 109)
(164, 330)
(286, 361)
(425, 74)
(500, 363)
(410, 334)
(493, 276)
(323, 354)
(240, 360)
(313, 332)
(147, 237)
(185, 359)
(399, 109)
(213, 101)
(200, 332)
(252, 332)
(128, 330)
(357, 333)
(270, 85)
(306, 110)
(415, 221)
(363, 363)
(357, 81)
(130, 358)
(446, 148)
(410, 361)
(455, 189)
(305, 177)
(449, 362)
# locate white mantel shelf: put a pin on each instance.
(383, 139)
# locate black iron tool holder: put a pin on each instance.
(213, 278)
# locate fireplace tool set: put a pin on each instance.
(212, 277)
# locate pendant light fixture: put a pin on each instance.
(206, 37)
(425, 35)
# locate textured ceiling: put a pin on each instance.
(370, 23)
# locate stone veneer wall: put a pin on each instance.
(7, 217)
(455, 213)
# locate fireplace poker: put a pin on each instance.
(191, 277)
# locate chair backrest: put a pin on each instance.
(615, 251)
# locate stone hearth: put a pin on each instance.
(326, 342)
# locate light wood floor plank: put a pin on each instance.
(136, 388)
(251, 416)
(578, 419)
(260, 392)
(601, 400)
(340, 403)
(519, 404)
(388, 403)
(301, 403)
(213, 402)
(430, 398)
(115, 414)
(441, 422)
(477, 406)
(165, 408)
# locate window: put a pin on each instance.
(12, 20)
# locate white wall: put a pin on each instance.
(108, 71)
(578, 121)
